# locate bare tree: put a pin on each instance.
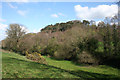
(14, 33)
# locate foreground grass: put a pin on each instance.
(17, 66)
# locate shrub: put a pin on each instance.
(58, 55)
(36, 57)
(64, 51)
(82, 45)
(92, 45)
(86, 58)
(36, 48)
(51, 47)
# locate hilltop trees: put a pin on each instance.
(85, 22)
(61, 26)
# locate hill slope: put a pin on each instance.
(17, 66)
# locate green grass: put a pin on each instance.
(68, 65)
(17, 66)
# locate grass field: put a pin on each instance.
(17, 66)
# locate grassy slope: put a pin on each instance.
(15, 65)
(101, 71)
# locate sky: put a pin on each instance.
(36, 15)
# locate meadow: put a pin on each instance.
(18, 66)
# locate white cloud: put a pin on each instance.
(54, 15)
(61, 14)
(15, 7)
(2, 36)
(3, 26)
(2, 20)
(36, 30)
(24, 29)
(40, 29)
(22, 13)
(57, 15)
(99, 12)
(97, 22)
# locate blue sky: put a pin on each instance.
(37, 15)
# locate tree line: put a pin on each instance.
(81, 42)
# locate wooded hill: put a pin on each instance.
(63, 26)
(80, 42)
